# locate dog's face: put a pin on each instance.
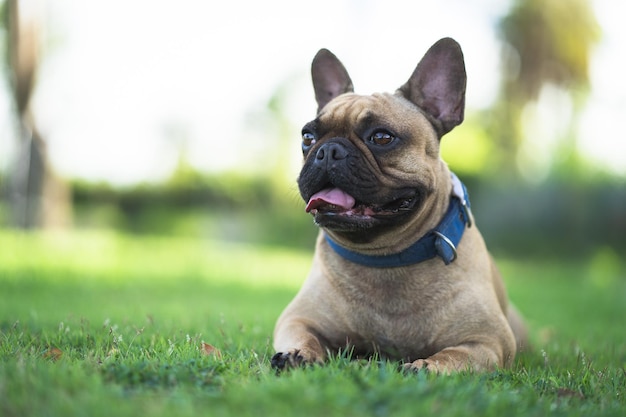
(362, 169)
(370, 162)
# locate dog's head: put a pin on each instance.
(372, 162)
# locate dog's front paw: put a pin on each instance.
(294, 358)
(286, 360)
(416, 366)
(422, 365)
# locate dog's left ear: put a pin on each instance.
(330, 78)
(437, 85)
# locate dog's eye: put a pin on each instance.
(381, 138)
(308, 139)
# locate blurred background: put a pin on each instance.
(183, 118)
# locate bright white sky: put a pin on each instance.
(125, 83)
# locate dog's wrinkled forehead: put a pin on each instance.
(351, 107)
(352, 112)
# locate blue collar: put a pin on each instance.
(441, 241)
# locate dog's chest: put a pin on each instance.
(392, 316)
(399, 336)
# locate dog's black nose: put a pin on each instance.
(331, 151)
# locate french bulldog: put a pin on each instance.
(400, 269)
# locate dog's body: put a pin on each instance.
(373, 179)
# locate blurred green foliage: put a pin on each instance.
(229, 207)
(545, 43)
(560, 218)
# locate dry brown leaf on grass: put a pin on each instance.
(53, 354)
(209, 350)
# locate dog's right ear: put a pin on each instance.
(330, 78)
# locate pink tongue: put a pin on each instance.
(330, 196)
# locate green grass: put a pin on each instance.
(98, 324)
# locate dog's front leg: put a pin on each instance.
(466, 357)
(296, 345)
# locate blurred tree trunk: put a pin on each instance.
(545, 42)
(37, 198)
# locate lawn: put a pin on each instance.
(99, 323)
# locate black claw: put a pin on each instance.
(279, 360)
